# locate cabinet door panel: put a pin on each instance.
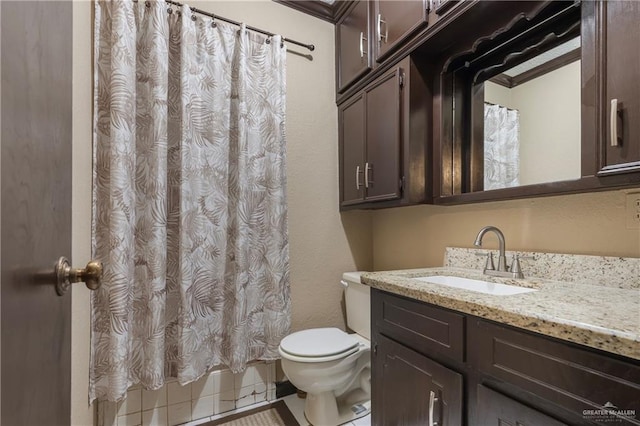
(404, 384)
(382, 169)
(395, 21)
(353, 45)
(425, 328)
(623, 82)
(352, 140)
(495, 409)
(572, 378)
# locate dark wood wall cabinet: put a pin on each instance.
(395, 21)
(381, 131)
(459, 47)
(431, 365)
(353, 35)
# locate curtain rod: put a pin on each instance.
(311, 47)
(509, 109)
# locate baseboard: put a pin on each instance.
(285, 388)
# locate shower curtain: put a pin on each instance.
(501, 147)
(189, 196)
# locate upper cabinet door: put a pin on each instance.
(352, 35)
(382, 170)
(395, 21)
(352, 140)
(622, 98)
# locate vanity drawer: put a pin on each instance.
(424, 328)
(574, 378)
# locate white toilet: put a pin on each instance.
(334, 367)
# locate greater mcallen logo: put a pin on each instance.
(609, 413)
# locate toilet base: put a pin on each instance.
(324, 409)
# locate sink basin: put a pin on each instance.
(476, 285)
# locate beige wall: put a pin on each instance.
(550, 126)
(323, 243)
(549, 109)
(582, 224)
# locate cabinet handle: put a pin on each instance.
(386, 30)
(367, 167)
(432, 401)
(362, 40)
(613, 118)
(358, 178)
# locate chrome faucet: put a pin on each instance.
(502, 259)
(502, 270)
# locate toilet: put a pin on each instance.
(331, 366)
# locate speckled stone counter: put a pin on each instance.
(608, 271)
(598, 316)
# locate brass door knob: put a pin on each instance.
(91, 275)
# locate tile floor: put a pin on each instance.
(296, 406)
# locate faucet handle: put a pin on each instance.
(488, 264)
(515, 268)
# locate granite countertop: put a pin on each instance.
(600, 317)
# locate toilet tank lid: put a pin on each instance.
(318, 342)
(352, 276)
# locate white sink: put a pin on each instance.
(476, 285)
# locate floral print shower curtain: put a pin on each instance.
(189, 196)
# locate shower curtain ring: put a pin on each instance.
(268, 40)
(147, 4)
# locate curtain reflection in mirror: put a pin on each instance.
(501, 147)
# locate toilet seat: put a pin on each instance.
(318, 345)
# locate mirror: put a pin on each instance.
(532, 120)
(516, 106)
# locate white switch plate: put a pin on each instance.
(633, 210)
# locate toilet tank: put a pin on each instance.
(358, 304)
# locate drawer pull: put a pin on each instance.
(616, 139)
(362, 40)
(367, 167)
(432, 401)
(386, 30)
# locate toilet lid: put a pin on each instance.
(318, 342)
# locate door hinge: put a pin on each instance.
(401, 80)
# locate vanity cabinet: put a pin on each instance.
(417, 390)
(410, 388)
(433, 363)
(622, 86)
(382, 146)
(395, 21)
(353, 51)
(495, 409)
(574, 378)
